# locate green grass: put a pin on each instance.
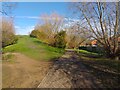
(100, 62)
(34, 48)
(103, 63)
(104, 69)
(87, 52)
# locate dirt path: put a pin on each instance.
(24, 73)
(69, 72)
(66, 72)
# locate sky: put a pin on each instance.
(26, 14)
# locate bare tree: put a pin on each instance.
(101, 18)
(49, 25)
(7, 25)
(7, 8)
(8, 32)
(77, 35)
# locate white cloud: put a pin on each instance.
(69, 22)
(17, 27)
(34, 17)
(42, 17)
(23, 30)
(71, 19)
(29, 17)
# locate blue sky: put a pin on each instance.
(26, 13)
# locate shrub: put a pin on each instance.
(60, 41)
(83, 47)
(8, 33)
(40, 35)
(8, 39)
(97, 49)
(56, 40)
(34, 33)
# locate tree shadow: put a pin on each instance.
(104, 70)
(79, 76)
(109, 80)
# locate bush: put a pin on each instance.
(56, 40)
(83, 47)
(40, 35)
(8, 33)
(92, 49)
(34, 33)
(8, 39)
(60, 41)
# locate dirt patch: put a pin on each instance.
(24, 72)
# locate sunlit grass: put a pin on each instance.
(34, 48)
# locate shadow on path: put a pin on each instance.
(69, 72)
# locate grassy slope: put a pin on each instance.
(35, 49)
